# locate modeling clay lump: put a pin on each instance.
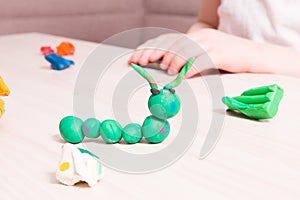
(65, 48)
(4, 91)
(258, 103)
(78, 164)
(58, 62)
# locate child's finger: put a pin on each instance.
(191, 73)
(144, 58)
(166, 61)
(156, 55)
(185, 50)
(182, 48)
(176, 64)
(135, 57)
(163, 44)
(201, 65)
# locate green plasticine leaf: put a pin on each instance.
(257, 103)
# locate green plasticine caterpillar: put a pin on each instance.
(163, 104)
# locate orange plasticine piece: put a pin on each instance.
(65, 48)
(4, 91)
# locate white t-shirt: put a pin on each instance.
(266, 21)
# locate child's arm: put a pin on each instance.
(207, 16)
(238, 55)
(275, 59)
(227, 52)
(241, 55)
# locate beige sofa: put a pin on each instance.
(94, 20)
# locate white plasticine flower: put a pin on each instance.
(78, 164)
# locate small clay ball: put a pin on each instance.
(70, 128)
(132, 133)
(91, 128)
(111, 131)
(155, 130)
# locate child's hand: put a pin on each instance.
(212, 49)
(154, 49)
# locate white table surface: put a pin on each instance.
(252, 160)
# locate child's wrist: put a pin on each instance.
(198, 26)
(260, 58)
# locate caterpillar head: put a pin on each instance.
(164, 103)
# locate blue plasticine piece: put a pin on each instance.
(58, 62)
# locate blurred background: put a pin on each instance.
(94, 20)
